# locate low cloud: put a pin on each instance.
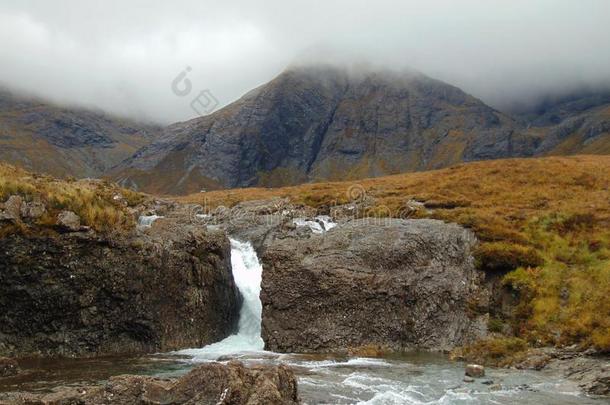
(122, 56)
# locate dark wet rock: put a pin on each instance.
(68, 221)
(475, 370)
(82, 294)
(396, 284)
(208, 384)
(8, 367)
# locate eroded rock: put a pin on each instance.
(79, 294)
(68, 221)
(12, 207)
(213, 383)
(392, 283)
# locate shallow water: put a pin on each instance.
(415, 378)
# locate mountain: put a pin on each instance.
(326, 123)
(65, 142)
(314, 123)
(574, 123)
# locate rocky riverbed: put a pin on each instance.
(335, 286)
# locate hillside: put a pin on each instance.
(325, 123)
(543, 223)
(65, 141)
(100, 205)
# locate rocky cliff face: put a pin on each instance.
(398, 284)
(78, 294)
(325, 123)
(378, 282)
(62, 141)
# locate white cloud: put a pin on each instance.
(121, 56)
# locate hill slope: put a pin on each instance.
(61, 141)
(543, 223)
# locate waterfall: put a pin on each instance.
(247, 272)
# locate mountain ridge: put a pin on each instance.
(324, 123)
(310, 123)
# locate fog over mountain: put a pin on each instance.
(123, 56)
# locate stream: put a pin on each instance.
(413, 378)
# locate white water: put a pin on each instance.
(247, 272)
(320, 224)
(146, 221)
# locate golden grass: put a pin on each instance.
(92, 201)
(546, 221)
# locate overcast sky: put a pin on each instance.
(122, 56)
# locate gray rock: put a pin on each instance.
(33, 210)
(398, 284)
(68, 221)
(475, 371)
(12, 207)
(468, 379)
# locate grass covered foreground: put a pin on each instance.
(544, 227)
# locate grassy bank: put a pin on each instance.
(101, 205)
(544, 224)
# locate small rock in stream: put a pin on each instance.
(475, 371)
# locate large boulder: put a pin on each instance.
(78, 294)
(213, 383)
(397, 284)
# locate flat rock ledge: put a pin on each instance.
(208, 384)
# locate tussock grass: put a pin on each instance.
(545, 222)
(92, 200)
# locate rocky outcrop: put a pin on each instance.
(397, 284)
(591, 372)
(213, 384)
(82, 294)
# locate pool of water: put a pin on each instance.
(416, 378)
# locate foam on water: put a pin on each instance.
(319, 224)
(247, 272)
(146, 221)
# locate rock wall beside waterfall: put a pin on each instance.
(398, 284)
(77, 294)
